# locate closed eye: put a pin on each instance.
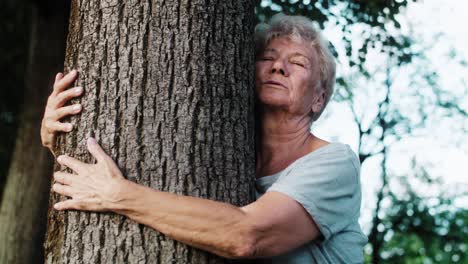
(299, 64)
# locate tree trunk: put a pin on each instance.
(169, 95)
(23, 211)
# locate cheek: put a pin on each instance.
(303, 94)
(258, 75)
(261, 69)
(302, 85)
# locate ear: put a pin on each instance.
(319, 101)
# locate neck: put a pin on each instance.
(284, 139)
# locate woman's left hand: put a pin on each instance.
(94, 187)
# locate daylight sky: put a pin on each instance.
(441, 148)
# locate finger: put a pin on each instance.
(62, 189)
(63, 178)
(65, 82)
(56, 126)
(96, 150)
(81, 204)
(68, 205)
(66, 111)
(67, 95)
(58, 77)
(72, 163)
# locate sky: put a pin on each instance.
(440, 30)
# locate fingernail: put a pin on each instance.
(78, 90)
(77, 107)
(69, 127)
(91, 140)
(56, 206)
(73, 71)
(59, 158)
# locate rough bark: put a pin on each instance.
(169, 95)
(23, 211)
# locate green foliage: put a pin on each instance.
(375, 16)
(407, 227)
(424, 230)
(411, 229)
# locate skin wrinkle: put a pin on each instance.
(233, 232)
(300, 29)
(285, 113)
(180, 219)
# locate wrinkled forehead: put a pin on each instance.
(294, 35)
(291, 45)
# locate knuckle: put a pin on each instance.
(52, 119)
(57, 85)
(64, 96)
(47, 123)
(60, 97)
(70, 109)
(55, 115)
(47, 112)
(50, 101)
(50, 130)
(57, 175)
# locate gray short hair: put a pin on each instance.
(300, 28)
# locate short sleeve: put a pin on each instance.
(327, 185)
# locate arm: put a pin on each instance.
(270, 226)
(273, 225)
(212, 226)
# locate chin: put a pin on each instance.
(273, 100)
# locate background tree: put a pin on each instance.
(423, 229)
(14, 31)
(399, 227)
(169, 95)
(374, 18)
(386, 112)
(23, 207)
(400, 101)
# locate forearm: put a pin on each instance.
(219, 228)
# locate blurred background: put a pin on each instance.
(401, 103)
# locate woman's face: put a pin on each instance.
(286, 74)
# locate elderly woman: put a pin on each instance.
(309, 190)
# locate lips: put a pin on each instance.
(276, 83)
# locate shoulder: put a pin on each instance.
(332, 160)
(326, 183)
(332, 168)
(337, 153)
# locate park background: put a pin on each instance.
(401, 103)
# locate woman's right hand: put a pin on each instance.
(55, 109)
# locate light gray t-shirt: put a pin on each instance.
(326, 183)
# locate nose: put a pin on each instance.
(279, 67)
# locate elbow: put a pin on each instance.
(244, 246)
(245, 251)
